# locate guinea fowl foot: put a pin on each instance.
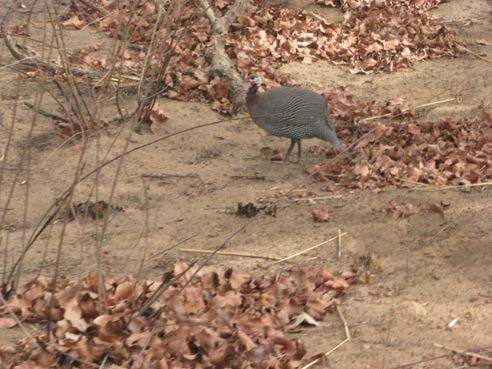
(293, 142)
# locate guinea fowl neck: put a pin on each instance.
(252, 95)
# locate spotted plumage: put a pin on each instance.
(291, 112)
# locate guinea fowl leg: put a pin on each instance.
(287, 155)
(299, 159)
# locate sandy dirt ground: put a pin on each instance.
(431, 267)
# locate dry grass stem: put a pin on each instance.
(339, 250)
(463, 352)
(348, 337)
(319, 198)
(416, 183)
(146, 229)
(409, 365)
(437, 188)
(422, 106)
(226, 253)
(309, 249)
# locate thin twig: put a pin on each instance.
(146, 229)
(162, 252)
(226, 253)
(4, 161)
(256, 177)
(437, 188)
(10, 65)
(168, 175)
(319, 198)
(406, 366)
(348, 337)
(345, 324)
(95, 7)
(426, 105)
(309, 249)
(104, 360)
(463, 352)
(18, 322)
(145, 346)
(466, 21)
(476, 55)
(339, 250)
(165, 284)
(415, 183)
(46, 113)
(447, 226)
(56, 149)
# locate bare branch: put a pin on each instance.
(216, 23)
(216, 55)
(232, 13)
(222, 65)
(95, 7)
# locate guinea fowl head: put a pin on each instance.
(254, 82)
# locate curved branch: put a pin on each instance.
(216, 55)
(233, 11)
(222, 65)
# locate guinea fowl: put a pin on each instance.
(290, 112)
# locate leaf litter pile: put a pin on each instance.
(399, 151)
(375, 35)
(212, 320)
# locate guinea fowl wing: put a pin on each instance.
(289, 106)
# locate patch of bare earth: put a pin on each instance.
(433, 267)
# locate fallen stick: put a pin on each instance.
(463, 352)
(309, 249)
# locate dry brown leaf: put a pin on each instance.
(484, 42)
(303, 318)
(320, 215)
(74, 22)
(6, 322)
